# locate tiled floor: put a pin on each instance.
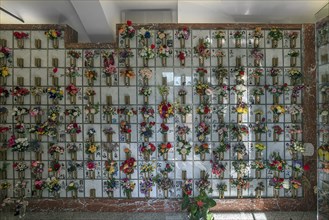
(159, 216)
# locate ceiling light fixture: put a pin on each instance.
(11, 14)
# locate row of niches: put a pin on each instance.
(133, 57)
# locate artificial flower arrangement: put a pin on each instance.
(295, 184)
(181, 55)
(147, 112)
(91, 166)
(20, 166)
(54, 148)
(240, 183)
(146, 129)
(145, 91)
(108, 57)
(144, 34)
(219, 35)
(5, 185)
(72, 72)
(54, 167)
(21, 35)
(72, 90)
(218, 168)
(37, 91)
(277, 90)
(201, 71)
(91, 75)
(258, 91)
(276, 182)
(147, 149)
(257, 54)
(164, 90)
(204, 185)
(276, 163)
(146, 185)
(238, 35)
(109, 110)
(164, 128)
(148, 52)
(128, 166)
(187, 187)
(258, 165)
(53, 185)
(202, 49)
(260, 147)
(19, 111)
(5, 52)
(182, 131)
(168, 169)
(110, 185)
(72, 148)
(222, 91)
(240, 149)
(220, 150)
(293, 53)
(296, 147)
(204, 109)
(74, 54)
(146, 73)
(203, 88)
(39, 184)
(19, 128)
(73, 128)
(275, 72)
(292, 35)
(127, 30)
(4, 92)
(89, 56)
(275, 34)
(18, 144)
(238, 130)
(166, 110)
(295, 109)
(278, 109)
(295, 74)
(91, 109)
(162, 35)
(240, 108)
(183, 33)
(202, 149)
(298, 167)
(260, 127)
(73, 112)
(182, 92)
(183, 110)
(36, 111)
(127, 111)
(126, 53)
(258, 33)
(202, 129)
(240, 166)
(238, 89)
(220, 72)
(109, 70)
(55, 93)
(164, 183)
(257, 73)
(127, 74)
(164, 148)
(53, 34)
(90, 148)
(164, 51)
(184, 147)
(73, 186)
(19, 91)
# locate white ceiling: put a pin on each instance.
(95, 20)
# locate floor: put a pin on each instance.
(159, 216)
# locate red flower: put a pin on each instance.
(306, 167)
(241, 73)
(57, 166)
(143, 124)
(152, 147)
(55, 70)
(168, 145)
(129, 22)
(152, 46)
(199, 203)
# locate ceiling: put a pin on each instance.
(95, 20)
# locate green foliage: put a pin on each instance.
(198, 207)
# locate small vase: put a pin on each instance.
(220, 61)
(256, 42)
(146, 156)
(55, 44)
(145, 62)
(293, 100)
(183, 157)
(3, 155)
(275, 100)
(165, 156)
(221, 194)
(237, 42)
(56, 195)
(91, 99)
(110, 194)
(127, 81)
(164, 61)
(220, 118)
(293, 61)
(220, 99)
(276, 118)
(128, 138)
(145, 100)
(90, 118)
(182, 43)
(3, 61)
(276, 193)
(238, 61)
(165, 193)
(239, 156)
(275, 61)
(294, 193)
(38, 156)
(127, 62)
(3, 100)
(92, 174)
(182, 62)
(258, 155)
(37, 62)
(183, 118)
(239, 193)
(275, 80)
(201, 61)
(109, 80)
(73, 156)
(21, 175)
(293, 43)
(128, 194)
(20, 43)
(90, 82)
(74, 194)
(127, 42)
(294, 118)
(256, 62)
(109, 138)
(73, 137)
(37, 43)
(109, 119)
(239, 118)
(219, 42)
(203, 156)
(73, 62)
(3, 81)
(258, 137)
(73, 99)
(258, 194)
(39, 194)
(276, 137)
(258, 174)
(20, 156)
(274, 43)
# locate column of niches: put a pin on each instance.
(220, 75)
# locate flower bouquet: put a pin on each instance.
(110, 186)
(182, 131)
(55, 93)
(163, 149)
(204, 109)
(220, 74)
(4, 94)
(73, 188)
(147, 53)
(239, 90)
(90, 111)
(18, 144)
(19, 93)
(164, 52)
(238, 35)
(147, 150)
(72, 90)
(36, 112)
(258, 34)
(39, 186)
(146, 129)
(220, 36)
(166, 110)
(109, 71)
(240, 184)
(127, 112)
(295, 75)
(293, 35)
(276, 164)
(182, 35)
(258, 56)
(256, 74)
(20, 36)
(73, 129)
(146, 75)
(183, 110)
(277, 111)
(53, 186)
(277, 131)
(204, 185)
(202, 149)
(127, 32)
(144, 35)
(73, 55)
(240, 150)
(202, 129)
(241, 108)
(164, 183)
(277, 184)
(128, 166)
(181, 55)
(220, 150)
(54, 35)
(109, 111)
(54, 168)
(295, 185)
(73, 113)
(218, 168)
(146, 186)
(258, 165)
(275, 34)
(237, 131)
(147, 112)
(127, 74)
(187, 187)
(91, 76)
(55, 151)
(294, 148)
(89, 56)
(277, 91)
(19, 112)
(222, 188)
(184, 148)
(202, 50)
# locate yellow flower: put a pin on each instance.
(92, 149)
(5, 71)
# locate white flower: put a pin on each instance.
(183, 151)
(209, 92)
(92, 111)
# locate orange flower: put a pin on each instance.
(126, 150)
